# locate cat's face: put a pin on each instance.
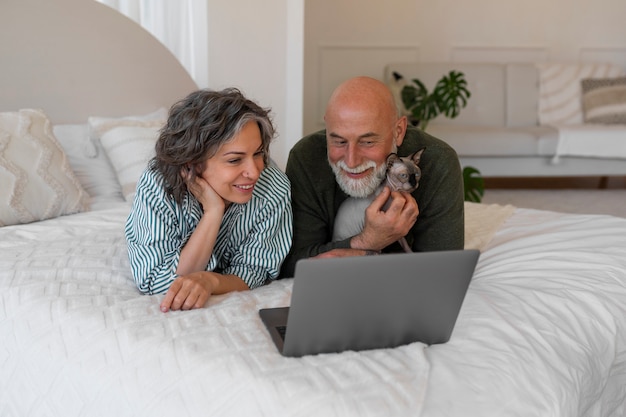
(403, 173)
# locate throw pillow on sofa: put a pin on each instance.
(604, 100)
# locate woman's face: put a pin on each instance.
(236, 166)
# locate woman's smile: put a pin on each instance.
(245, 187)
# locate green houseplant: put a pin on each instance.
(448, 97)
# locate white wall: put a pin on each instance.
(344, 38)
(258, 47)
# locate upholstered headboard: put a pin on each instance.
(54, 57)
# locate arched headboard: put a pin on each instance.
(79, 58)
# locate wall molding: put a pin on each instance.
(504, 54)
(616, 55)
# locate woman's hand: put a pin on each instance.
(196, 253)
(203, 192)
(194, 290)
(189, 291)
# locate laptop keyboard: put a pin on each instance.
(282, 330)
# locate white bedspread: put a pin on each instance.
(542, 332)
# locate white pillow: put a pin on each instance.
(89, 162)
(37, 180)
(98, 126)
(129, 149)
(128, 159)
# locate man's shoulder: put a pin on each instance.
(309, 153)
(416, 139)
(312, 143)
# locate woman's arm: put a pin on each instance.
(193, 290)
(154, 233)
(196, 253)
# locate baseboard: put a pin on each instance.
(616, 182)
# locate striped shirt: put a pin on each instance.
(252, 242)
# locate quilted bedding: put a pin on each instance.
(542, 332)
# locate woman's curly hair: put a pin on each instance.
(198, 126)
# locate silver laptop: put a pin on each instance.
(371, 302)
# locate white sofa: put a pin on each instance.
(500, 132)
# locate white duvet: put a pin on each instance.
(542, 332)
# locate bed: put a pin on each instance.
(542, 330)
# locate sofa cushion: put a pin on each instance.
(604, 100)
(498, 141)
(522, 95)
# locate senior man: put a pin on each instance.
(363, 127)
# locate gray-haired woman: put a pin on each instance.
(210, 215)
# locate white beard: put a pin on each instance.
(363, 187)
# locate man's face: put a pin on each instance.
(358, 144)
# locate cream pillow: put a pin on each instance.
(129, 149)
(37, 181)
(98, 126)
(129, 144)
(89, 163)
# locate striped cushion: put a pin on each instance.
(560, 90)
(604, 100)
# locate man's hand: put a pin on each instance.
(343, 253)
(382, 228)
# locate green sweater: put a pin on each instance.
(316, 197)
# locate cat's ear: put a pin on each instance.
(391, 159)
(417, 156)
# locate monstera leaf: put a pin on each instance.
(474, 185)
(451, 94)
(448, 97)
(422, 105)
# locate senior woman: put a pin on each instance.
(210, 214)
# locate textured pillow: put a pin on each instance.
(89, 163)
(129, 149)
(98, 126)
(128, 159)
(37, 181)
(604, 100)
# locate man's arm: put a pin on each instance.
(440, 225)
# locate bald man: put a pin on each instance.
(363, 126)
